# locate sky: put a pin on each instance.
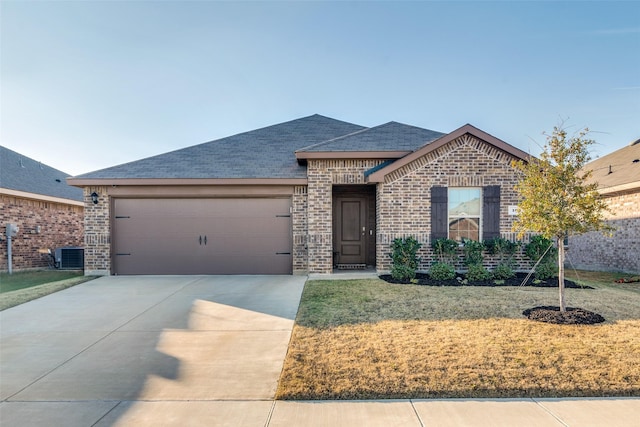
(86, 85)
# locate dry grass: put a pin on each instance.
(366, 339)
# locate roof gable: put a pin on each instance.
(379, 175)
(23, 174)
(262, 153)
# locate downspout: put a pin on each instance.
(9, 253)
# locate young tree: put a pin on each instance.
(556, 198)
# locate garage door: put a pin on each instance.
(202, 236)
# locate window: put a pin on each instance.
(465, 213)
(470, 212)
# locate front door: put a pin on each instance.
(350, 229)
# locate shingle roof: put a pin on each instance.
(20, 173)
(392, 136)
(618, 168)
(263, 153)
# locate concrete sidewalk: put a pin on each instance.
(207, 350)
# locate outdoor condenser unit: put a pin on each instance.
(69, 258)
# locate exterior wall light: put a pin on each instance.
(94, 198)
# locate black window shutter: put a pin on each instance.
(439, 213)
(491, 212)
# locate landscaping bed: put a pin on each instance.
(424, 279)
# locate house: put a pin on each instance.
(618, 178)
(308, 195)
(47, 211)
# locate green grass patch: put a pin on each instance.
(22, 287)
(27, 279)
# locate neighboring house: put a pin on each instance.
(48, 212)
(618, 178)
(302, 196)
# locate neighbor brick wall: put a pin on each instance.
(322, 175)
(60, 225)
(97, 235)
(618, 252)
(403, 200)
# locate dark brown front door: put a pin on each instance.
(350, 229)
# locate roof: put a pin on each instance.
(392, 136)
(22, 174)
(263, 153)
(619, 170)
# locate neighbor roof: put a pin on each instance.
(22, 174)
(619, 170)
(263, 153)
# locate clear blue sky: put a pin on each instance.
(87, 85)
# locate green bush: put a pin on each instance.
(442, 271)
(505, 250)
(477, 272)
(503, 271)
(535, 249)
(404, 258)
(472, 250)
(546, 271)
(445, 250)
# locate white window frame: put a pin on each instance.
(474, 216)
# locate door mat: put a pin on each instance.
(351, 266)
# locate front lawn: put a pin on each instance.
(368, 339)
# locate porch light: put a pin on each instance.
(94, 198)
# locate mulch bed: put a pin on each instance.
(423, 279)
(572, 316)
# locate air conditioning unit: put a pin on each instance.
(69, 258)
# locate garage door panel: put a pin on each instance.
(202, 236)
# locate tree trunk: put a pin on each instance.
(561, 273)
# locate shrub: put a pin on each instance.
(442, 271)
(477, 272)
(472, 250)
(445, 250)
(546, 271)
(536, 250)
(405, 259)
(503, 271)
(505, 250)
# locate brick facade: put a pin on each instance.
(403, 200)
(618, 252)
(322, 176)
(97, 234)
(404, 206)
(42, 225)
(300, 229)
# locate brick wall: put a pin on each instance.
(59, 225)
(322, 175)
(618, 252)
(300, 230)
(404, 206)
(97, 232)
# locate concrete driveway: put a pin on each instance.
(137, 350)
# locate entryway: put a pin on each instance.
(354, 227)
